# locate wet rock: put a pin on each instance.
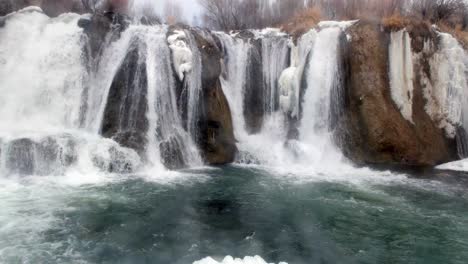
(101, 29)
(125, 113)
(372, 129)
(216, 135)
(50, 155)
(55, 8)
(54, 155)
(20, 157)
(116, 160)
(254, 98)
(171, 154)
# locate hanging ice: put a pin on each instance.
(181, 53)
(401, 72)
(447, 94)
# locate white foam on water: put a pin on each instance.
(231, 260)
(29, 211)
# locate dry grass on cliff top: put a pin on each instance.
(398, 22)
(457, 31)
(306, 19)
(395, 22)
(302, 22)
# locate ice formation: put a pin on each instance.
(401, 72)
(181, 53)
(446, 93)
(288, 88)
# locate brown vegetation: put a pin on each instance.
(295, 15)
(395, 22)
(302, 22)
(460, 34)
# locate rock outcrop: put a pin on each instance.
(216, 135)
(372, 130)
(254, 98)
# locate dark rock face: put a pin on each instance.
(254, 97)
(125, 113)
(55, 8)
(171, 153)
(372, 129)
(6, 7)
(101, 29)
(216, 135)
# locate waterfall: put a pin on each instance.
(287, 70)
(401, 72)
(101, 79)
(275, 51)
(52, 120)
(194, 87)
(166, 135)
(42, 72)
(44, 79)
(234, 78)
(238, 54)
(322, 96)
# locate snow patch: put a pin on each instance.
(231, 260)
(461, 165)
(181, 53)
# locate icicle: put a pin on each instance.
(401, 72)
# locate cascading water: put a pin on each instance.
(41, 114)
(51, 120)
(234, 78)
(275, 51)
(322, 95)
(314, 62)
(235, 81)
(166, 131)
(194, 87)
(45, 94)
